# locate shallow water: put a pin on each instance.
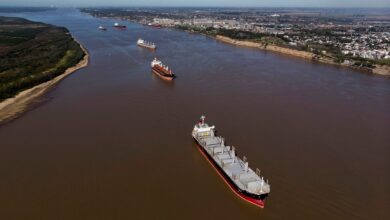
(113, 141)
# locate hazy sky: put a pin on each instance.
(234, 3)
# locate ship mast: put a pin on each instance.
(202, 120)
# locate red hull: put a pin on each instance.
(120, 27)
(256, 202)
(169, 78)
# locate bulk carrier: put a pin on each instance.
(161, 70)
(143, 43)
(242, 180)
(119, 26)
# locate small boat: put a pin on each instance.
(161, 70)
(143, 43)
(119, 26)
(102, 28)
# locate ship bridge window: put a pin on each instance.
(203, 134)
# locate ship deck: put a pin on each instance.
(243, 176)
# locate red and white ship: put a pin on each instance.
(161, 70)
(246, 183)
(154, 25)
(119, 26)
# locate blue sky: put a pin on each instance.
(233, 3)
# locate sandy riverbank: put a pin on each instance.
(296, 53)
(379, 70)
(382, 70)
(12, 107)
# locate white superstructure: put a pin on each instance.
(156, 61)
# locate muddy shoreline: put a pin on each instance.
(378, 70)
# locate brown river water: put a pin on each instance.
(113, 141)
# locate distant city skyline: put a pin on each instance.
(206, 3)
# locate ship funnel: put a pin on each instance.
(246, 166)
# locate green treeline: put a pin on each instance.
(32, 53)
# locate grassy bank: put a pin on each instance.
(32, 53)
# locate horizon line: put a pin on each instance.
(160, 6)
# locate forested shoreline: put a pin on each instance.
(32, 53)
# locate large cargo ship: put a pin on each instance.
(119, 26)
(161, 70)
(143, 43)
(154, 25)
(241, 179)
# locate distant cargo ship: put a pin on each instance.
(143, 43)
(119, 26)
(154, 25)
(161, 70)
(102, 28)
(241, 179)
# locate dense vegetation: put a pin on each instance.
(32, 53)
